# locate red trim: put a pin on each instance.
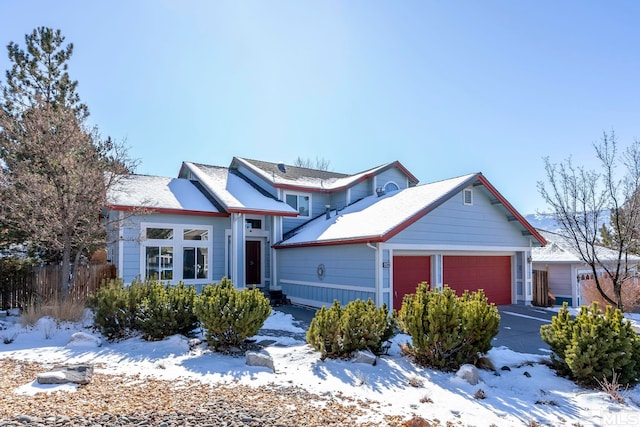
(261, 212)
(511, 209)
(167, 211)
(370, 239)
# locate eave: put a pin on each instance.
(166, 211)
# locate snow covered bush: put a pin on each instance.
(166, 310)
(339, 331)
(593, 346)
(447, 330)
(229, 315)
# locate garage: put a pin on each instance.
(408, 272)
(490, 273)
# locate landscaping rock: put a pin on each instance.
(77, 374)
(255, 358)
(365, 357)
(469, 373)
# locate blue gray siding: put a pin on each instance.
(349, 274)
(361, 190)
(392, 175)
(454, 223)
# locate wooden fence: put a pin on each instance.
(43, 284)
(540, 288)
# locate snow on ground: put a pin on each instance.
(528, 392)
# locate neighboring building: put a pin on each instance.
(566, 269)
(321, 236)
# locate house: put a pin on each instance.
(566, 269)
(319, 235)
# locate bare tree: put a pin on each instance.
(318, 163)
(57, 176)
(581, 198)
(55, 170)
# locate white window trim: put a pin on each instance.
(178, 243)
(299, 194)
(468, 191)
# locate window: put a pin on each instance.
(159, 263)
(467, 196)
(300, 202)
(176, 252)
(255, 224)
(160, 233)
(195, 234)
(195, 263)
(390, 186)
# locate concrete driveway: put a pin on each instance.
(519, 326)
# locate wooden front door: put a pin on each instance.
(253, 270)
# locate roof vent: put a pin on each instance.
(281, 167)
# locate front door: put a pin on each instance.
(253, 268)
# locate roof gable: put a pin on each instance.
(160, 194)
(377, 219)
(234, 193)
(298, 178)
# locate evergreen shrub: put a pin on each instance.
(447, 330)
(339, 331)
(114, 309)
(593, 346)
(166, 310)
(229, 315)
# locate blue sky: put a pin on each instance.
(447, 87)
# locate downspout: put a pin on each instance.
(121, 246)
(378, 285)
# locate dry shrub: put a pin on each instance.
(61, 311)
(630, 293)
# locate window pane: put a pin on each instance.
(166, 263)
(303, 205)
(152, 263)
(196, 234)
(203, 263)
(255, 224)
(292, 200)
(160, 233)
(188, 263)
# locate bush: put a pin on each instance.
(338, 332)
(228, 315)
(150, 307)
(166, 310)
(114, 309)
(447, 331)
(593, 347)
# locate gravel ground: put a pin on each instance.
(117, 400)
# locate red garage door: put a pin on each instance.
(490, 273)
(408, 272)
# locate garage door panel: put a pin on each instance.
(489, 273)
(408, 272)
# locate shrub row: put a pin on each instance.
(446, 330)
(228, 315)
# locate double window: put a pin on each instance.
(176, 252)
(300, 202)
